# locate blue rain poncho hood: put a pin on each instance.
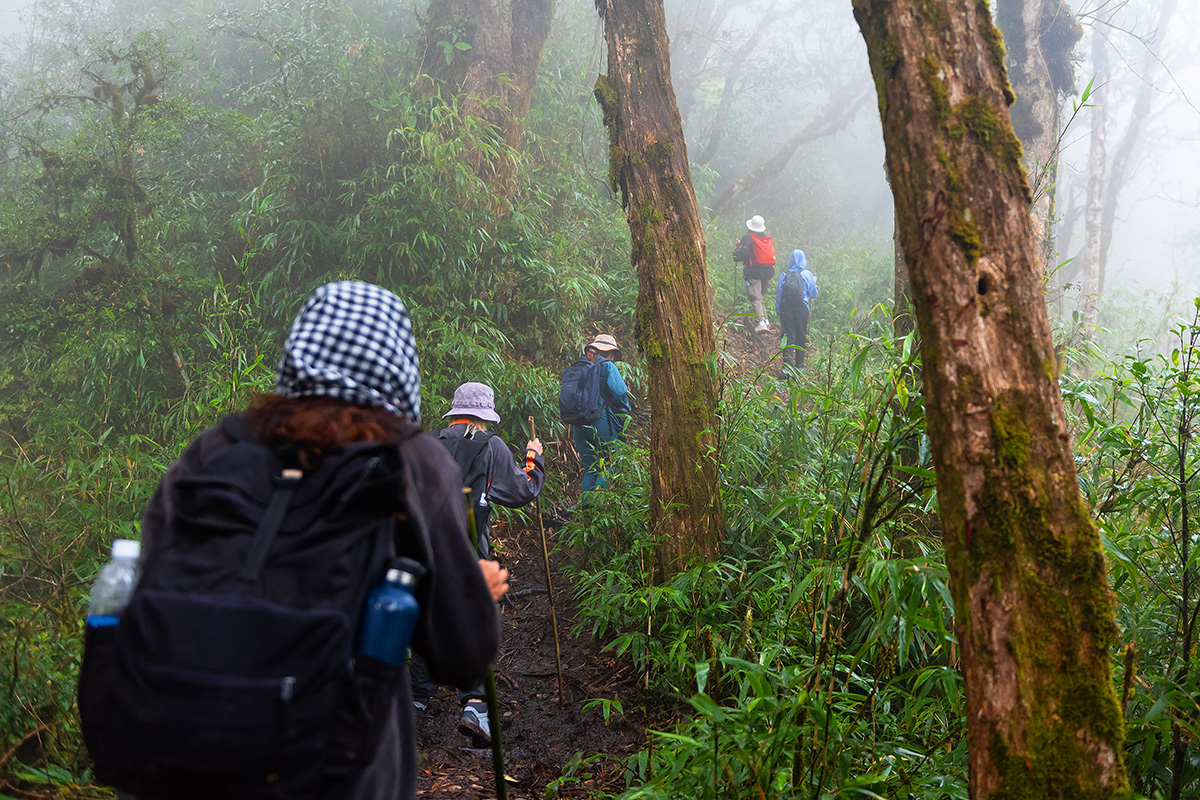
(798, 261)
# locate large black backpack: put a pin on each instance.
(470, 453)
(232, 672)
(793, 289)
(579, 400)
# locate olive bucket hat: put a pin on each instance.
(604, 344)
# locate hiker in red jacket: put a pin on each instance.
(756, 252)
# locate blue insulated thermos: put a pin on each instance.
(390, 614)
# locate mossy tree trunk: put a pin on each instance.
(1040, 36)
(649, 167)
(1033, 610)
(488, 52)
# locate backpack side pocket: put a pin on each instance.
(365, 702)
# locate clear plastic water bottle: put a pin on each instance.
(390, 616)
(114, 586)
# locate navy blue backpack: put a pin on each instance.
(793, 289)
(579, 401)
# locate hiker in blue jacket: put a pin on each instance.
(792, 295)
(593, 441)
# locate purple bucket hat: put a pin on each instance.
(474, 400)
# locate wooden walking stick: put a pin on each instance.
(489, 683)
(537, 505)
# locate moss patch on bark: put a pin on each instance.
(994, 42)
(1062, 628)
(606, 96)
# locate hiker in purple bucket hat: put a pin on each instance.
(489, 471)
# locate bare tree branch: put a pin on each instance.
(731, 81)
(841, 110)
(1118, 173)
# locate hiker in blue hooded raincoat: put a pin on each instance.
(592, 441)
(792, 305)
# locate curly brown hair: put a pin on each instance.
(305, 429)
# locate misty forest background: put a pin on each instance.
(175, 178)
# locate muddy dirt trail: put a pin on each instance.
(539, 738)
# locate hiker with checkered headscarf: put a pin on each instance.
(349, 374)
(353, 341)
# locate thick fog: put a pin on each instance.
(1156, 235)
(751, 77)
(10, 16)
(775, 72)
(834, 189)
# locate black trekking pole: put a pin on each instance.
(537, 506)
(489, 683)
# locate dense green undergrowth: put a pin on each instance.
(154, 253)
(817, 657)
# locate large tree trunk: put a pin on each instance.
(649, 166)
(495, 74)
(1039, 36)
(1033, 610)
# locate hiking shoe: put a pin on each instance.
(763, 326)
(474, 722)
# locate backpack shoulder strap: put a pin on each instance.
(268, 527)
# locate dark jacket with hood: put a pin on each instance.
(492, 475)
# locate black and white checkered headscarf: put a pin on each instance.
(353, 341)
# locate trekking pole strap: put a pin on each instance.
(268, 528)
